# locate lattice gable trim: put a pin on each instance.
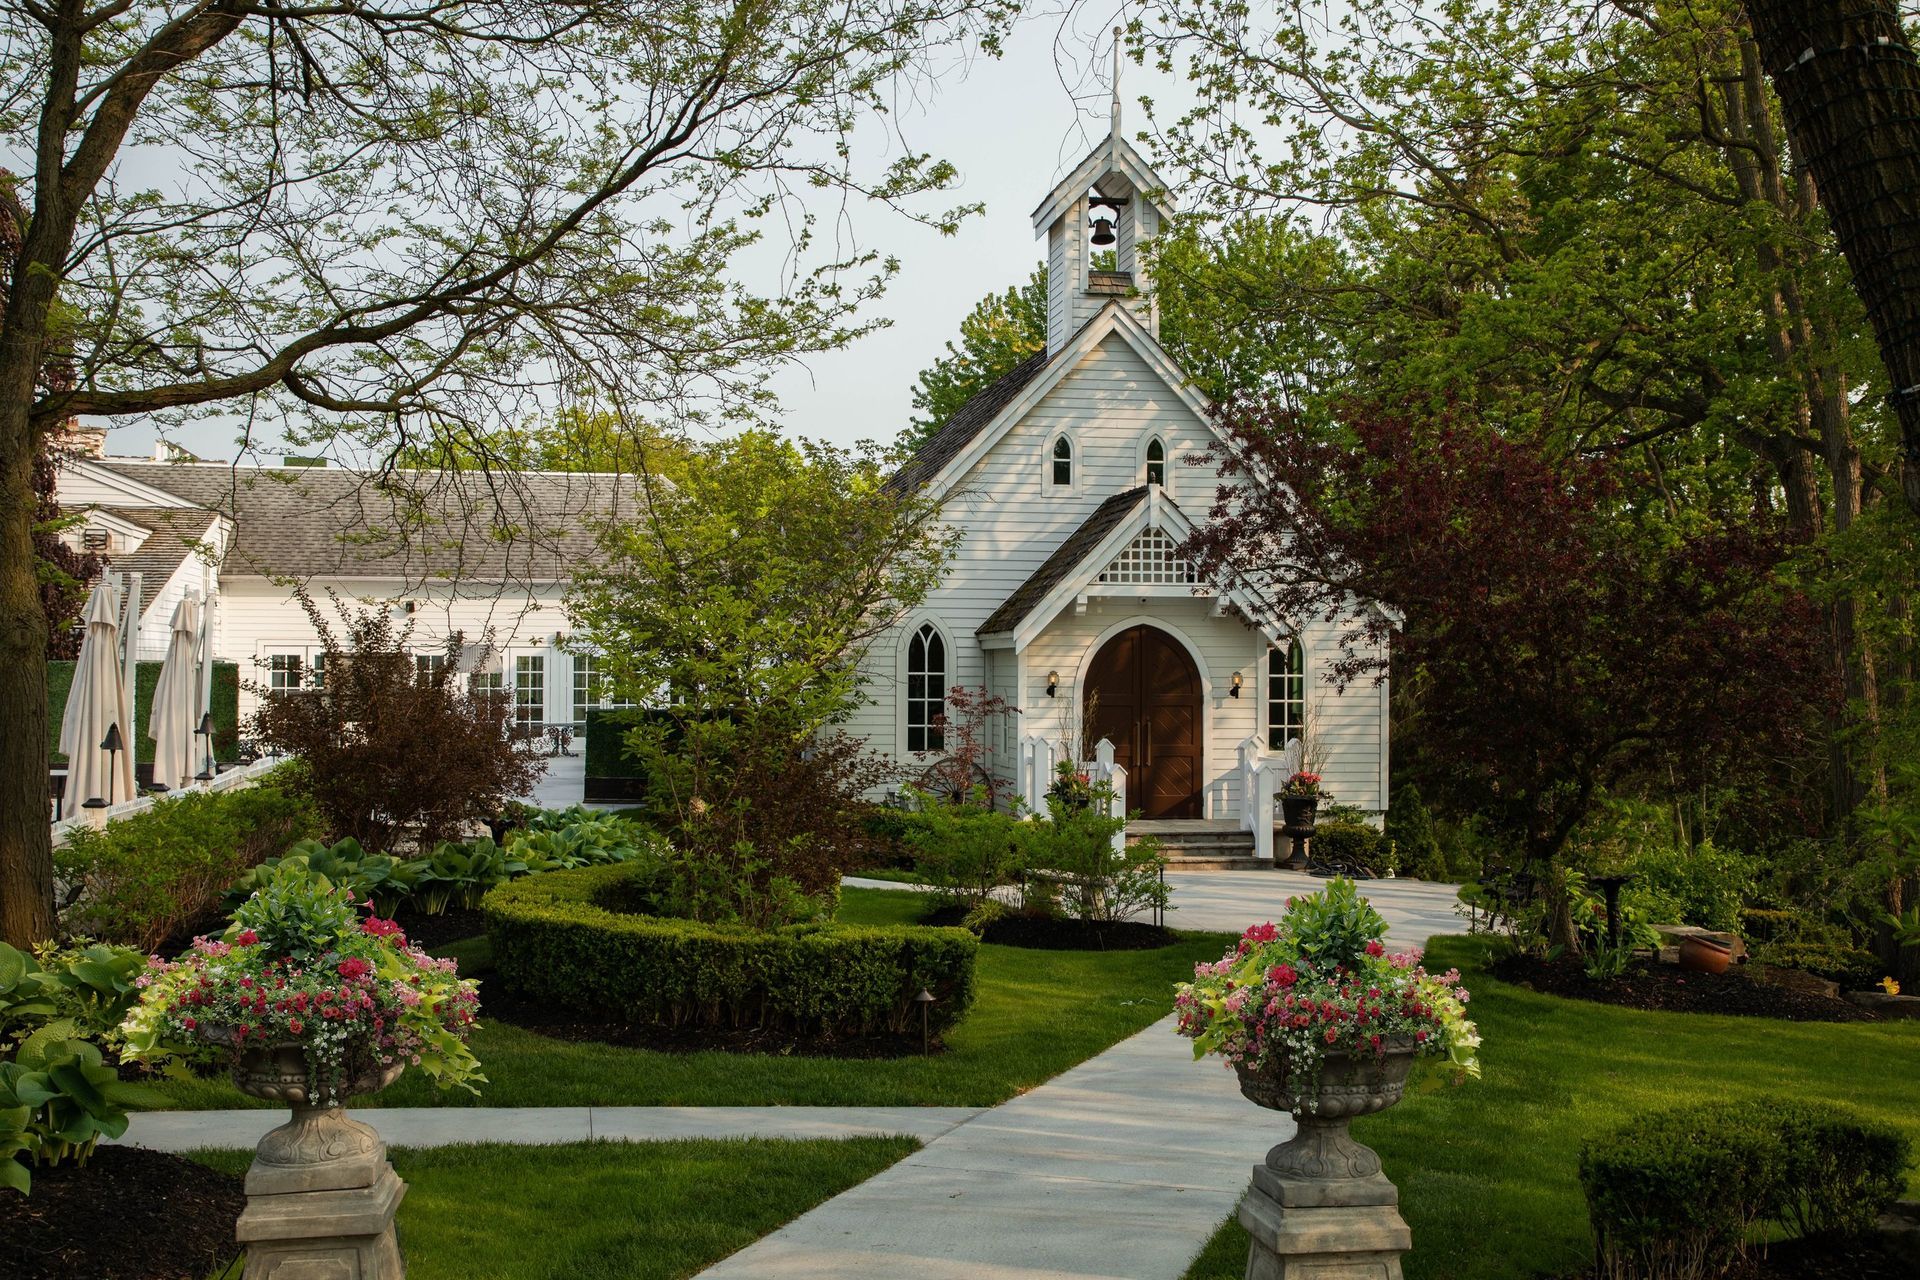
(1149, 560)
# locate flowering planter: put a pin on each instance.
(1300, 813)
(1324, 1103)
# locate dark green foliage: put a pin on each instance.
(225, 706)
(1416, 844)
(1673, 1195)
(612, 774)
(138, 880)
(1701, 886)
(569, 940)
(1849, 966)
(1353, 844)
(1769, 924)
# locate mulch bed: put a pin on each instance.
(1675, 990)
(529, 1015)
(1054, 933)
(129, 1214)
(453, 925)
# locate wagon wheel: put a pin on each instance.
(953, 783)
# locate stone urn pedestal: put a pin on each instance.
(1320, 1208)
(320, 1193)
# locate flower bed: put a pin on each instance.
(571, 940)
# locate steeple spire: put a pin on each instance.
(1115, 130)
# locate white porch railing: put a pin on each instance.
(1261, 777)
(1105, 769)
(1038, 761)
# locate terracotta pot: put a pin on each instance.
(1704, 955)
(1322, 1107)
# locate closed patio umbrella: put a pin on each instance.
(98, 702)
(176, 701)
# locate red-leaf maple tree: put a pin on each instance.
(1559, 640)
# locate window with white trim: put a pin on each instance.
(1149, 559)
(283, 671)
(926, 689)
(1156, 468)
(428, 666)
(1286, 694)
(530, 691)
(592, 687)
(1060, 468)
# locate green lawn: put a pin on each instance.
(1037, 1013)
(1487, 1171)
(612, 1210)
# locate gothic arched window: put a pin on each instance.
(1156, 470)
(926, 688)
(1062, 472)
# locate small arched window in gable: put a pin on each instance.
(926, 689)
(1157, 462)
(1062, 461)
(1286, 694)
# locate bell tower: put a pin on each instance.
(1112, 202)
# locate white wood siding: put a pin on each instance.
(1012, 518)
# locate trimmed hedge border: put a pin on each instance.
(556, 939)
(1674, 1194)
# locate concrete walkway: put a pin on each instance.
(1229, 901)
(533, 1126)
(1121, 1167)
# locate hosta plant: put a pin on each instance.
(301, 966)
(1321, 982)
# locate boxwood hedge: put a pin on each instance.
(1675, 1195)
(567, 939)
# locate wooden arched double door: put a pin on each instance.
(1143, 693)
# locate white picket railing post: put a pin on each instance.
(1117, 807)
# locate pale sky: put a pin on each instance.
(1013, 127)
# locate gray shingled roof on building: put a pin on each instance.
(968, 421)
(1059, 566)
(173, 533)
(302, 522)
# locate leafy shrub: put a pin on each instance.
(58, 1095)
(139, 880)
(459, 875)
(965, 851)
(562, 839)
(1353, 844)
(1851, 967)
(393, 749)
(1770, 924)
(1673, 1195)
(386, 880)
(1416, 843)
(1705, 886)
(575, 940)
(1092, 879)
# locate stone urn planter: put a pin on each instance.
(1320, 1207)
(1300, 814)
(321, 1194)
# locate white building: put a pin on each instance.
(472, 553)
(1073, 478)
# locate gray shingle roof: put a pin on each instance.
(1065, 559)
(173, 534)
(301, 522)
(968, 421)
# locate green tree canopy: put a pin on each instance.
(1002, 330)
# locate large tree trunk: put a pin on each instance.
(26, 846)
(1850, 87)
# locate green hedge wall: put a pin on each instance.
(554, 941)
(225, 708)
